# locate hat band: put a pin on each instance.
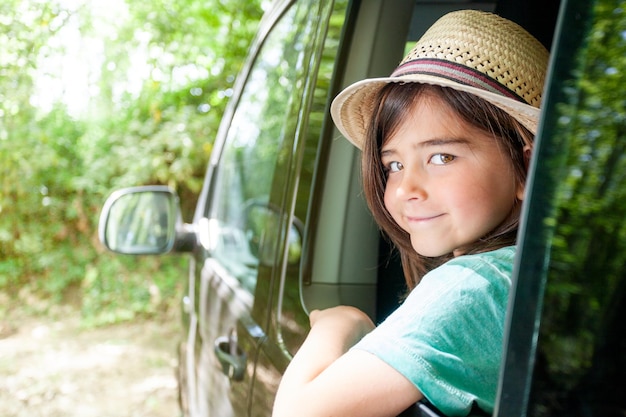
(454, 72)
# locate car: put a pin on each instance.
(281, 227)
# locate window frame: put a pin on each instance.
(535, 233)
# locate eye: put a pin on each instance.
(441, 159)
(394, 166)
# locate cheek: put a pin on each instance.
(391, 204)
(495, 199)
(388, 199)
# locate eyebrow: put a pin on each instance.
(429, 143)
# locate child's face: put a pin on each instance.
(449, 184)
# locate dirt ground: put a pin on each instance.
(54, 368)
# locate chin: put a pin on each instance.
(433, 253)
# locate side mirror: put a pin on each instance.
(140, 221)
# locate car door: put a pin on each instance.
(565, 348)
(248, 234)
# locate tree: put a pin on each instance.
(158, 78)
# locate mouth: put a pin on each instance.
(422, 219)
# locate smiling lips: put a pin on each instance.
(422, 219)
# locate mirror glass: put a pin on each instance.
(141, 223)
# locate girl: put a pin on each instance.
(446, 142)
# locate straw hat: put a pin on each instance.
(468, 50)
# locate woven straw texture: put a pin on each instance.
(509, 66)
(494, 46)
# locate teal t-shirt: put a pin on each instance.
(447, 335)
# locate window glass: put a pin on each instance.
(294, 322)
(581, 352)
(246, 208)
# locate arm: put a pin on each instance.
(325, 379)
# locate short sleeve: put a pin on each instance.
(447, 336)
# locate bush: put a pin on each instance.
(58, 163)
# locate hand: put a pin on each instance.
(348, 324)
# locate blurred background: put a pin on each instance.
(96, 95)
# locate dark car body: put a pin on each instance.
(281, 227)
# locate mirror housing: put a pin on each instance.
(144, 220)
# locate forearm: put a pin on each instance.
(328, 340)
(321, 348)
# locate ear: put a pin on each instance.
(521, 188)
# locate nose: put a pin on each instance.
(412, 185)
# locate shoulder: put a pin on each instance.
(499, 259)
(492, 266)
(446, 337)
(468, 277)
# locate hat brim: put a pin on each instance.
(352, 109)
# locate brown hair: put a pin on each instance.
(393, 103)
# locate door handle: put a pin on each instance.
(230, 356)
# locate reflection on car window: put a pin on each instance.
(581, 362)
(246, 220)
(294, 322)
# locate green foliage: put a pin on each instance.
(589, 251)
(156, 91)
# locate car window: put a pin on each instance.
(292, 318)
(574, 250)
(246, 208)
(581, 363)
